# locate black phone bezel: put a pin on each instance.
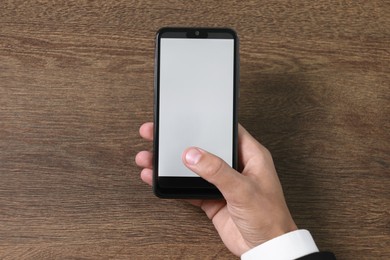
(191, 187)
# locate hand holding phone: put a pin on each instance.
(254, 211)
(196, 94)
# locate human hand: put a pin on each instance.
(255, 210)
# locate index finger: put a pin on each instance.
(146, 131)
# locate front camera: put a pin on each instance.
(197, 33)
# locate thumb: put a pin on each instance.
(214, 170)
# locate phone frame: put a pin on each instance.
(191, 187)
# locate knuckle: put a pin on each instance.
(249, 188)
(264, 155)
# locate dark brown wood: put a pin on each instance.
(76, 81)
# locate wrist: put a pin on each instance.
(275, 232)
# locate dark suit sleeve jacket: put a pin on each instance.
(319, 256)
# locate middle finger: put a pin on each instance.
(144, 159)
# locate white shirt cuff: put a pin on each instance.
(289, 246)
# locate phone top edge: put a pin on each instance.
(205, 32)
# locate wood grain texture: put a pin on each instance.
(76, 81)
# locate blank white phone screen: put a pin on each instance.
(196, 101)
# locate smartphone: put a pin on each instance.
(195, 104)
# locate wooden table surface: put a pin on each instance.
(76, 82)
